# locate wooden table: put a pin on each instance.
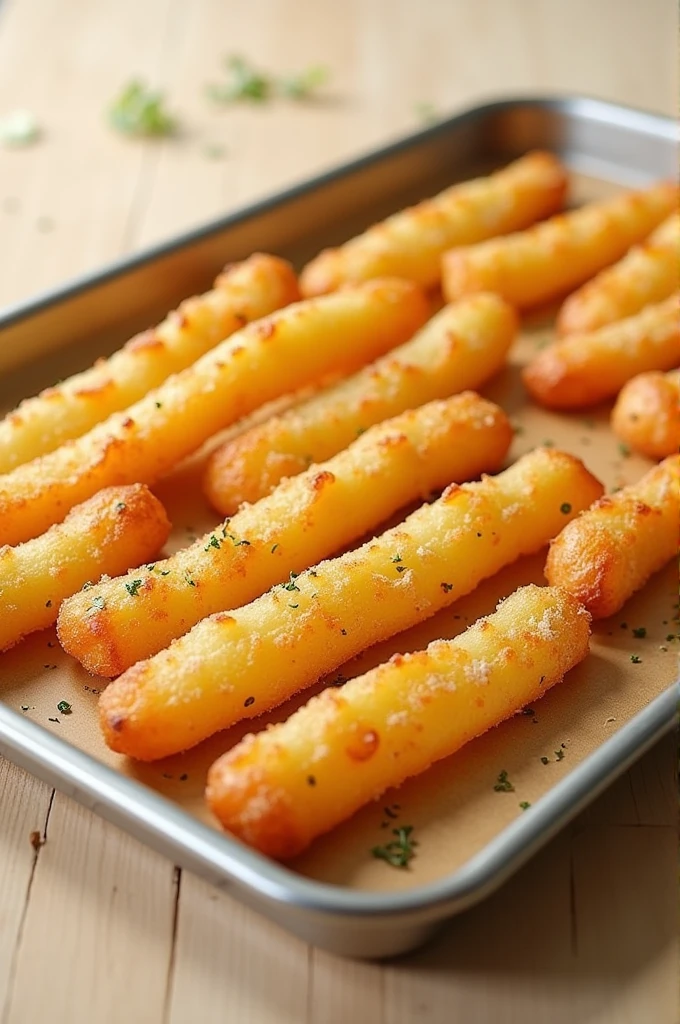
(94, 927)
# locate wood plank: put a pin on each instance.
(625, 898)
(97, 937)
(24, 806)
(233, 964)
(67, 203)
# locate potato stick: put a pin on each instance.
(540, 264)
(118, 527)
(279, 790)
(647, 274)
(584, 369)
(612, 549)
(273, 356)
(647, 414)
(244, 292)
(306, 519)
(410, 243)
(236, 665)
(461, 347)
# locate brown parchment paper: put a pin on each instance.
(453, 807)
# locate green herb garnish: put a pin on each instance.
(640, 632)
(400, 851)
(139, 111)
(503, 784)
(64, 707)
(20, 128)
(133, 587)
(525, 805)
(635, 659)
(303, 85)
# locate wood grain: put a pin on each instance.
(95, 928)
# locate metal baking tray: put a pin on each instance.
(604, 144)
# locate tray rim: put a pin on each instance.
(593, 108)
(157, 821)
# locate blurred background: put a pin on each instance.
(84, 192)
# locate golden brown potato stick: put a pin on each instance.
(610, 551)
(236, 665)
(410, 243)
(461, 347)
(304, 520)
(540, 264)
(646, 275)
(279, 790)
(278, 354)
(647, 414)
(244, 292)
(584, 369)
(118, 527)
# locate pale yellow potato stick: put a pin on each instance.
(583, 369)
(410, 243)
(237, 664)
(243, 292)
(647, 274)
(279, 790)
(461, 347)
(647, 414)
(118, 527)
(278, 354)
(540, 264)
(610, 552)
(304, 520)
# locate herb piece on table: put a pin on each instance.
(64, 708)
(635, 659)
(400, 851)
(503, 784)
(640, 632)
(426, 112)
(303, 85)
(244, 82)
(20, 128)
(525, 805)
(139, 111)
(559, 755)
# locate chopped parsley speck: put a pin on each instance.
(399, 851)
(446, 587)
(565, 508)
(640, 632)
(559, 754)
(120, 506)
(397, 558)
(544, 760)
(525, 805)
(503, 784)
(64, 707)
(133, 587)
(635, 659)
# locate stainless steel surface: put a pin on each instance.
(594, 137)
